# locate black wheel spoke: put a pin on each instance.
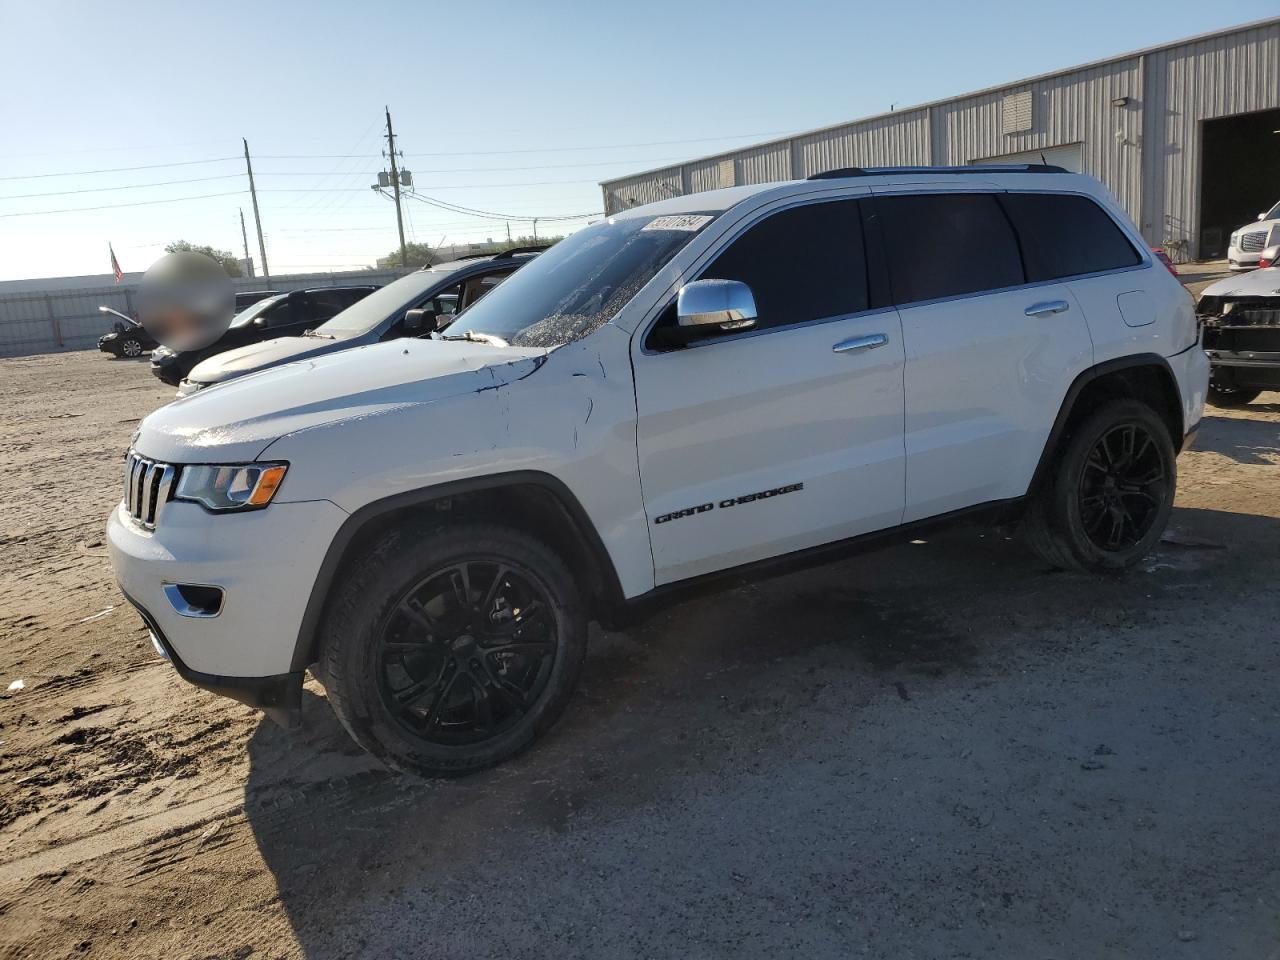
(491, 595)
(1121, 487)
(414, 610)
(468, 651)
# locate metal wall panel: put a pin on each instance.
(644, 188)
(1217, 76)
(897, 139)
(765, 164)
(1146, 149)
(1073, 107)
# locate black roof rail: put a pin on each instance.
(843, 172)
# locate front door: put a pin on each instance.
(786, 436)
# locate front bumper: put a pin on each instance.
(264, 561)
(1238, 259)
(281, 692)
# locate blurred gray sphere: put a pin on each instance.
(186, 301)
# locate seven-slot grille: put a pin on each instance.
(147, 486)
(1253, 241)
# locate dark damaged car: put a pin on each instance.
(1240, 317)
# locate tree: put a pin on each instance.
(224, 257)
(419, 255)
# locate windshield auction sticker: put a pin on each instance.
(688, 222)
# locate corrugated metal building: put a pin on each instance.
(1186, 135)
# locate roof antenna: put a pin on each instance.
(1042, 159)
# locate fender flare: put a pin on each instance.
(1078, 385)
(339, 547)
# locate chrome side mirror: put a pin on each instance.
(725, 305)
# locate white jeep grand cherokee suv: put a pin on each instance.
(708, 384)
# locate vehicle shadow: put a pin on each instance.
(740, 684)
(1243, 439)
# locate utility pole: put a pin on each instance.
(244, 236)
(508, 231)
(257, 218)
(395, 184)
(535, 229)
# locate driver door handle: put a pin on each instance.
(858, 344)
(1047, 308)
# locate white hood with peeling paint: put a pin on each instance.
(1257, 283)
(236, 421)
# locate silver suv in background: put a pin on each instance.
(1249, 241)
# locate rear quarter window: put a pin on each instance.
(1067, 236)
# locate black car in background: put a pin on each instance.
(248, 298)
(126, 338)
(284, 315)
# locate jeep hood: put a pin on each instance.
(1257, 283)
(258, 356)
(237, 421)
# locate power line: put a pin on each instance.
(471, 211)
(127, 186)
(117, 206)
(145, 166)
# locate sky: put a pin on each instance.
(515, 109)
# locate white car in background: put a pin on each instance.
(1249, 241)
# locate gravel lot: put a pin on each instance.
(942, 749)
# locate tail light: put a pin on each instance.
(1164, 258)
(1269, 256)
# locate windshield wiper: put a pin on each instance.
(474, 337)
(317, 333)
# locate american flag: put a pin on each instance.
(115, 265)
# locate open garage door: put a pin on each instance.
(1239, 175)
(1069, 156)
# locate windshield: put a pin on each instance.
(245, 317)
(1273, 213)
(581, 282)
(363, 315)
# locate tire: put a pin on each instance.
(1115, 471)
(433, 686)
(130, 348)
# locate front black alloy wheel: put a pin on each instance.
(131, 348)
(1108, 493)
(447, 649)
(466, 651)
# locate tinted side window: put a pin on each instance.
(1066, 236)
(947, 244)
(280, 314)
(801, 264)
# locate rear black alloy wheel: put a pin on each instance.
(450, 648)
(1108, 492)
(1121, 488)
(466, 651)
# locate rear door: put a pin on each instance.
(989, 357)
(758, 443)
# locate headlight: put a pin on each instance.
(233, 486)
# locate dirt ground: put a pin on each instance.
(942, 749)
